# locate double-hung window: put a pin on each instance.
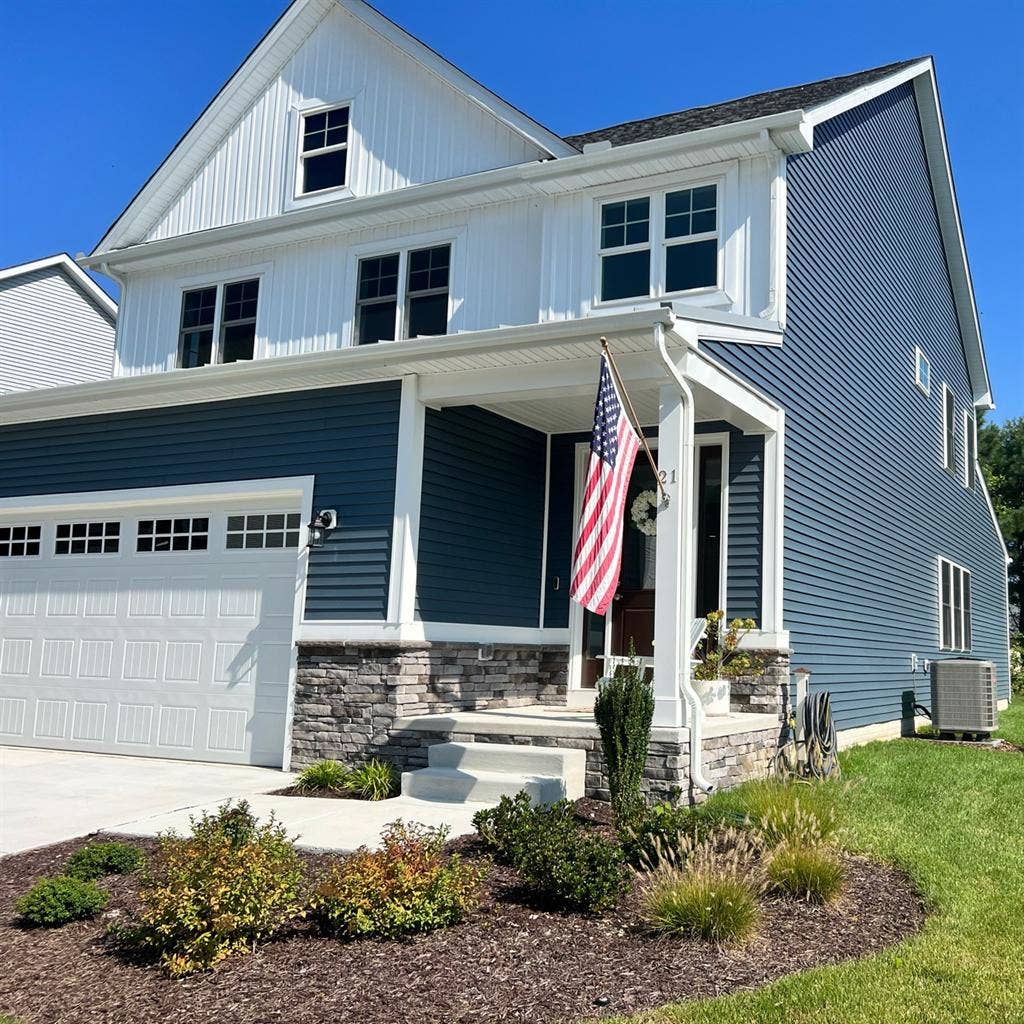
(323, 152)
(948, 429)
(218, 323)
(954, 607)
(661, 244)
(970, 450)
(403, 295)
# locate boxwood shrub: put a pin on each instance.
(52, 902)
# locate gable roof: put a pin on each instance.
(253, 75)
(73, 272)
(761, 104)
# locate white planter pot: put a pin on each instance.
(714, 695)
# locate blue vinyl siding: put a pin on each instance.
(869, 507)
(746, 485)
(481, 519)
(346, 437)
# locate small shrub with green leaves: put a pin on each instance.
(52, 902)
(327, 775)
(714, 897)
(407, 885)
(98, 859)
(805, 871)
(374, 780)
(655, 832)
(229, 885)
(623, 710)
(506, 828)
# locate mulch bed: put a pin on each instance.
(508, 962)
(322, 794)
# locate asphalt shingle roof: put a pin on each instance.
(761, 104)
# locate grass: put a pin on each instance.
(717, 906)
(953, 817)
(806, 872)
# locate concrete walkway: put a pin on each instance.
(333, 825)
(47, 796)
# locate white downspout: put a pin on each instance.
(694, 708)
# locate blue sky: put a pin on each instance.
(103, 91)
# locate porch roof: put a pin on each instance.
(549, 376)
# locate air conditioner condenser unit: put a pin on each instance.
(964, 695)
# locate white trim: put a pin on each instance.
(721, 439)
(995, 522)
(962, 613)
(948, 424)
(296, 199)
(405, 531)
(970, 432)
(544, 532)
(773, 526)
(924, 387)
(361, 630)
(575, 674)
(78, 277)
(866, 93)
(298, 613)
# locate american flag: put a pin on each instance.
(613, 448)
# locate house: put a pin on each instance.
(326, 505)
(56, 326)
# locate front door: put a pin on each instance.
(631, 616)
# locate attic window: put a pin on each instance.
(323, 154)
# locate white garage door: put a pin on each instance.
(160, 630)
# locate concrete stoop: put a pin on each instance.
(485, 772)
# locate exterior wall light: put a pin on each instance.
(320, 525)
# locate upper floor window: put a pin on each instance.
(954, 607)
(218, 323)
(948, 429)
(403, 295)
(970, 450)
(323, 155)
(662, 244)
(922, 371)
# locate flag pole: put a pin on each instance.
(633, 417)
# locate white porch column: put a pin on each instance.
(405, 531)
(673, 561)
(774, 509)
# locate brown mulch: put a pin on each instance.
(998, 745)
(322, 794)
(508, 962)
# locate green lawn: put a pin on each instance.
(954, 819)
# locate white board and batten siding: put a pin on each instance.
(408, 127)
(180, 654)
(51, 332)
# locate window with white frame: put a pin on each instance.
(665, 243)
(19, 541)
(185, 534)
(922, 371)
(948, 429)
(403, 295)
(970, 450)
(218, 323)
(263, 530)
(87, 538)
(323, 150)
(954, 607)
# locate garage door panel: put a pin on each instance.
(183, 653)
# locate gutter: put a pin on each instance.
(694, 708)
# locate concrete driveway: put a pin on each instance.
(50, 795)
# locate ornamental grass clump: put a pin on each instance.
(229, 885)
(805, 871)
(782, 811)
(328, 775)
(663, 831)
(407, 885)
(713, 897)
(52, 902)
(374, 780)
(98, 859)
(623, 710)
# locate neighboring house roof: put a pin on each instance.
(256, 72)
(760, 104)
(75, 274)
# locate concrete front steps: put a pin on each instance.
(485, 772)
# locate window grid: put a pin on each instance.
(184, 534)
(195, 338)
(323, 156)
(263, 530)
(225, 312)
(88, 538)
(954, 607)
(19, 541)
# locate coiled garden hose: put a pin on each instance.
(820, 736)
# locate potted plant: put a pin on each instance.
(720, 660)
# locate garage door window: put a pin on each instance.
(19, 541)
(173, 534)
(87, 539)
(274, 530)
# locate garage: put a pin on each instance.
(154, 622)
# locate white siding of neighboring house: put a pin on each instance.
(50, 333)
(407, 127)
